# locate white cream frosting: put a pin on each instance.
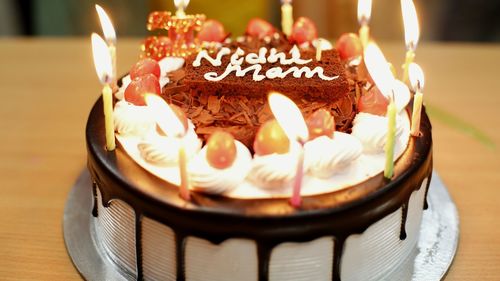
(325, 44)
(120, 94)
(325, 156)
(367, 165)
(164, 150)
(275, 171)
(133, 120)
(208, 179)
(169, 64)
(372, 129)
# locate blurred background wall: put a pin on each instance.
(448, 20)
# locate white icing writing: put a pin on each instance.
(256, 61)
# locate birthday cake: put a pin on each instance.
(263, 157)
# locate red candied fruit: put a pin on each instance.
(303, 30)
(321, 123)
(349, 46)
(145, 66)
(271, 139)
(221, 150)
(140, 86)
(373, 102)
(212, 31)
(260, 28)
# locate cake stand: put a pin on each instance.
(436, 249)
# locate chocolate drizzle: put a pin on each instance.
(180, 254)
(138, 245)
(94, 197)
(338, 250)
(404, 215)
(268, 222)
(264, 256)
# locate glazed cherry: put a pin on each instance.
(145, 66)
(303, 30)
(349, 46)
(259, 28)
(321, 123)
(373, 102)
(221, 150)
(271, 139)
(146, 84)
(212, 31)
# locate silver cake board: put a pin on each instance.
(437, 244)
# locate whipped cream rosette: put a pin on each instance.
(164, 150)
(132, 120)
(274, 171)
(208, 179)
(325, 156)
(371, 130)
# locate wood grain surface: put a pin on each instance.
(47, 87)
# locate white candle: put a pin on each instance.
(417, 82)
(287, 17)
(412, 33)
(364, 14)
(319, 49)
(181, 7)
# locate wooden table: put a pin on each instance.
(48, 86)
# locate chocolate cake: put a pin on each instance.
(238, 221)
(238, 104)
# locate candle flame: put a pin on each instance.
(107, 25)
(286, 2)
(416, 77)
(364, 11)
(289, 117)
(379, 69)
(181, 4)
(102, 59)
(410, 20)
(166, 118)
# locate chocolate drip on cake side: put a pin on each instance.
(338, 250)
(180, 254)
(94, 199)
(138, 245)
(426, 204)
(404, 215)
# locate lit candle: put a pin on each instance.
(364, 14)
(102, 62)
(286, 17)
(412, 33)
(110, 36)
(170, 123)
(181, 7)
(293, 124)
(381, 73)
(417, 83)
(319, 49)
